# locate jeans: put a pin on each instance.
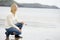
(13, 30)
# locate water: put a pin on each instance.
(35, 17)
(42, 24)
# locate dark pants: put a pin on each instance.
(12, 30)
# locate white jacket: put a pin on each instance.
(11, 20)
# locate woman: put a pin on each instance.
(13, 25)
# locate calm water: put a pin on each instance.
(43, 24)
(34, 17)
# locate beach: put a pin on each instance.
(42, 24)
(33, 33)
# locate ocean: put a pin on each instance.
(42, 24)
(34, 17)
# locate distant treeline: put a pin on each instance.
(7, 3)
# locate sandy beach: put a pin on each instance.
(34, 33)
(43, 24)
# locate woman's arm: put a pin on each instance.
(16, 18)
(11, 22)
(21, 21)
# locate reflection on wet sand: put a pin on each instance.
(18, 38)
(14, 39)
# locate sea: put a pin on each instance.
(34, 17)
(42, 24)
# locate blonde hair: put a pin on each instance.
(14, 4)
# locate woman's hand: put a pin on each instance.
(20, 30)
(23, 23)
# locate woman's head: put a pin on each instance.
(14, 8)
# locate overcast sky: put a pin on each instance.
(46, 2)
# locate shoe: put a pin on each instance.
(16, 36)
(7, 39)
(21, 37)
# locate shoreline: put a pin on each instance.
(33, 33)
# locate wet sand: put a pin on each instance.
(43, 24)
(35, 33)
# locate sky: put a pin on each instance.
(46, 2)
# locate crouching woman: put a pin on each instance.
(14, 27)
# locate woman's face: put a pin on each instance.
(14, 8)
